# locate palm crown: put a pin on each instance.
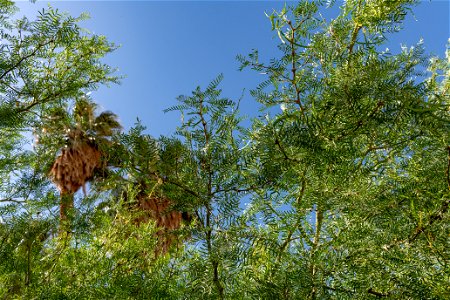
(86, 135)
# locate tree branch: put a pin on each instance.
(294, 67)
(378, 294)
(13, 200)
(22, 59)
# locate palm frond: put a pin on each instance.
(106, 124)
(84, 112)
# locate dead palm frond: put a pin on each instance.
(168, 221)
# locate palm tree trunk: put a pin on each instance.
(65, 211)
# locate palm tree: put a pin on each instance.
(151, 202)
(86, 135)
(168, 220)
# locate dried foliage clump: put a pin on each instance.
(74, 167)
(168, 221)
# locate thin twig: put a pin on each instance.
(294, 68)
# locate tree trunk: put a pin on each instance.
(65, 211)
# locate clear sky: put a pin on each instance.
(169, 48)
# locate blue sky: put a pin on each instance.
(168, 48)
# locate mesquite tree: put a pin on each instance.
(357, 161)
(340, 191)
(44, 64)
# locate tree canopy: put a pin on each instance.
(340, 191)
